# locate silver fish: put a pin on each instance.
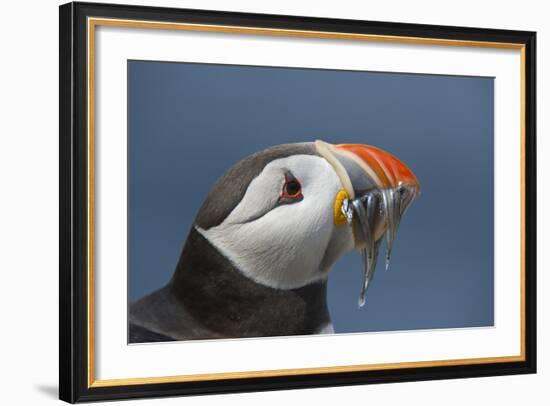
(392, 206)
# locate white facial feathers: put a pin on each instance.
(285, 245)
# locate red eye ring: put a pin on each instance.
(292, 189)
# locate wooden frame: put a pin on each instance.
(77, 24)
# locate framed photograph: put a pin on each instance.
(254, 202)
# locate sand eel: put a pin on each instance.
(258, 255)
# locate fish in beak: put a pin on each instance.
(377, 190)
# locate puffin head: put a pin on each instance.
(283, 216)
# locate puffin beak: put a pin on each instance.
(377, 190)
(366, 170)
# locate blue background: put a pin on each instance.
(188, 123)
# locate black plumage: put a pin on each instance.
(208, 298)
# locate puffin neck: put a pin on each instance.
(223, 299)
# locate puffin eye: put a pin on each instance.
(292, 189)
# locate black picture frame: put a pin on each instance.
(74, 200)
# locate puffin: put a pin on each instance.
(258, 255)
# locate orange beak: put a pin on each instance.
(353, 161)
(387, 170)
(363, 169)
